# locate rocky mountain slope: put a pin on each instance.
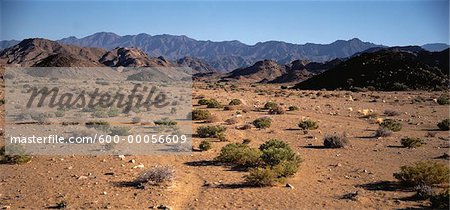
(226, 55)
(30, 52)
(387, 69)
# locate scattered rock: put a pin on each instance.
(290, 186)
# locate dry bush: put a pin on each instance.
(411, 142)
(157, 175)
(335, 141)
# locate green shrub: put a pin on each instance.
(235, 102)
(287, 168)
(205, 145)
(308, 124)
(443, 100)
(120, 131)
(274, 143)
(203, 101)
(424, 172)
(444, 125)
(335, 141)
(270, 105)
(260, 177)
(16, 154)
(213, 103)
(165, 122)
(199, 114)
(98, 125)
(391, 125)
(293, 108)
(412, 142)
(239, 154)
(440, 201)
(210, 131)
(262, 122)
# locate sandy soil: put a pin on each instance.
(324, 177)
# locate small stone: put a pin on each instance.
(290, 186)
(104, 193)
(138, 166)
(121, 157)
(132, 161)
(82, 177)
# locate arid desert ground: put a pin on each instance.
(325, 178)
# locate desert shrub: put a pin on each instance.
(260, 177)
(120, 131)
(280, 156)
(199, 114)
(444, 125)
(274, 143)
(440, 201)
(293, 108)
(245, 127)
(235, 102)
(60, 113)
(383, 132)
(270, 105)
(262, 122)
(335, 141)
(136, 120)
(210, 131)
(239, 154)
(221, 136)
(98, 125)
(203, 101)
(100, 112)
(443, 100)
(391, 125)
(16, 154)
(411, 142)
(113, 112)
(40, 118)
(205, 145)
(231, 121)
(308, 124)
(229, 107)
(287, 168)
(423, 191)
(424, 172)
(391, 113)
(213, 103)
(165, 122)
(277, 110)
(157, 175)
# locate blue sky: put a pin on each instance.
(400, 22)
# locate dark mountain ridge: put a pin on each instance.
(397, 68)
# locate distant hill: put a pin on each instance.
(7, 43)
(396, 68)
(435, 47)
(43, 52)
(225, 55)
(131, 57)
(299, 70)
(197, 65)
(261, 71)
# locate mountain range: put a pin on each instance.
(224, 55)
